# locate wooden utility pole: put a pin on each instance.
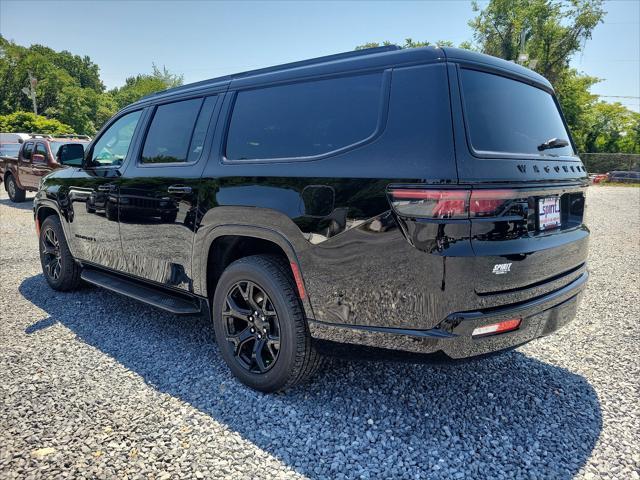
(30, 91)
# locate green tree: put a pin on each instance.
(611, 127)
(76, 106)
(27, 122)
(576, 101)
(136, 87)
(53, 70)
(549, 32)
(410, 43)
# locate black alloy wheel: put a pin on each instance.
(60, 269)
(52, 261)
(251, 327)
(260, 324)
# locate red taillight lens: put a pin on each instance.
(500, 327)
(487, 203)
(430, 203)
(459, 203)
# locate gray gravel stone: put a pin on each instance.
(94, 385)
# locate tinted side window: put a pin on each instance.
(508, 116)
(26, 152)
(41, 150)
(304, 119)
(169, 139)
(113, 145)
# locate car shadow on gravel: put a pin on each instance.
(26, 205)
(509, 415)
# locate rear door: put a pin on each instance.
(158, 192)
(515, 153)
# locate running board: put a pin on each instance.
(174, 303)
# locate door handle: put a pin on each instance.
(104, 188)
(179, 189)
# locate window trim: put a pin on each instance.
(154, 108)
(510, 155)
(103, 130)
(383, 108)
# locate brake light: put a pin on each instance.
(485, 203)
(430, 203)
(450, 203)
(495, 328)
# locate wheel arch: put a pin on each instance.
(227, 243)
(44, 209)
(11, 172)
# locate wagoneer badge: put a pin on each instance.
(500, 268)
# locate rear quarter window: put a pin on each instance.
(510, 117)
(304, 119)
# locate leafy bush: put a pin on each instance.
(28, 122)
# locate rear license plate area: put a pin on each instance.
(549, 213)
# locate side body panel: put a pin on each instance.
(335, 213)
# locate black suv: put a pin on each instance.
(425, 200)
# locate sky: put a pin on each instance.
(202, 39)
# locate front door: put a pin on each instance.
(40, 164)
(24, 164)
(93, 194)
(159, 190)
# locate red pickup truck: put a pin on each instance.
(38, 156)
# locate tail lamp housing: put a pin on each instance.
(450, 203)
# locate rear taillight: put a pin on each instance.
(489, 203)
(450, 203)
(430, 203)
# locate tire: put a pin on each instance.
(16, 194)
(59, 267)
(275, 297)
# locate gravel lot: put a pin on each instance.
(94, 385)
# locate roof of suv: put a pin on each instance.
(386, 56)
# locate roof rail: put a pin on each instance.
(73, 135)
(40, 135)
(284, 66)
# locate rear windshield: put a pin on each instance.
(507, 116)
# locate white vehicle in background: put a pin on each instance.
(13, 137)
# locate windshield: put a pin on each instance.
(510, 117)
(9, 149)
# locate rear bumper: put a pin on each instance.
(540, 316)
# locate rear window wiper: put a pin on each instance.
(553, 143)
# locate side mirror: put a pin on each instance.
(71, 154)
(38, 158)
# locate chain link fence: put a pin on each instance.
(608, 162)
